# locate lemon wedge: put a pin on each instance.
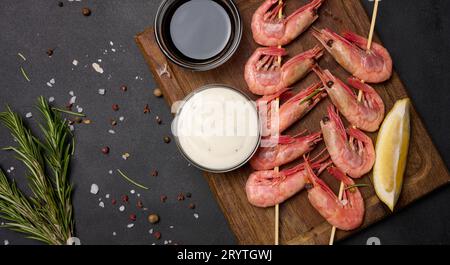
(391, 152)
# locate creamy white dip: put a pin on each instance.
(217, 128)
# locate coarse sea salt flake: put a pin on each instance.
(107, 196)
(29, 115)
(122, 208)
(75, 62)
(111, 131)
(101, 91)
(97, 68)
(101, 204)
(130, 225)
(196, 215)
(94, 188)
(72, 100)
(132, 191)
(51, 99)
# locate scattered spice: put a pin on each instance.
(113, 122)
(86, 11)
(158, 120)
(113, 201)
(60, 4)
(87, 121)
(153, 218)
(132, 217)
(191, 206)
(157, 92)
(146, 108)
(163, 198)
(188, 195)
(71, 122)
(124, 88)
(139, 204)
(50, 52)
(115, 107)
(125, 198)
(105, 150)
(78, 120)
(180, 197)
(131, 181)
(157, 235)
(125, 156)
(154, 173)
(166, 139)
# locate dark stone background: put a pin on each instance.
(415, 32)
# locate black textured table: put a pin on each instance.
(415, 32)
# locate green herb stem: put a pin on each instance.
(69, 112)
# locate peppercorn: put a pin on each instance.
(158, 120)
(60, 4)
(154, 173)
(153, 218)
(188, 194)
(132, 217)
(166, 139)
(113, 201)
(86, 11)
(124, 88)
(157, 235)
(78, 120)
(163, 198)
(113, 122)
(157, 92)
(180, 197)
(139, 204)
(191, 206)
(105, 150)
(146, 108)
(115, 107)
(124, 198)
(50, 52)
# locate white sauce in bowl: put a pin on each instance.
(217, 128)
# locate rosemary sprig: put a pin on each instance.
(131, 181)
(47, 214)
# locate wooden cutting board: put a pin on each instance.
(299, 222)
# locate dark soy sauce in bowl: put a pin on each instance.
(198, 34)
(200, 29)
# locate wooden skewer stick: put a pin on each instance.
(360, 95)
(333, 229)
(277, 102)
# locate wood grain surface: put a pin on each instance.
(299, 221)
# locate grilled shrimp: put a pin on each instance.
(346, 214)
(366, 114)
(292, 110)
(269, 30)
(350, 51)
(265, 76)
(355, 156)
(288, 149)
(268, 188)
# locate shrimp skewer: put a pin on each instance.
(346, 214)
(292, 110)
(287, 150)
(265, 75)
(355, 156)
(271, 187)
(270, 30)
(367, 113)
(350, 51)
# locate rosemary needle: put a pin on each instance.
(356, 185)
(24, 74)
(130, 180)
(317, 91)
(69, 112)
